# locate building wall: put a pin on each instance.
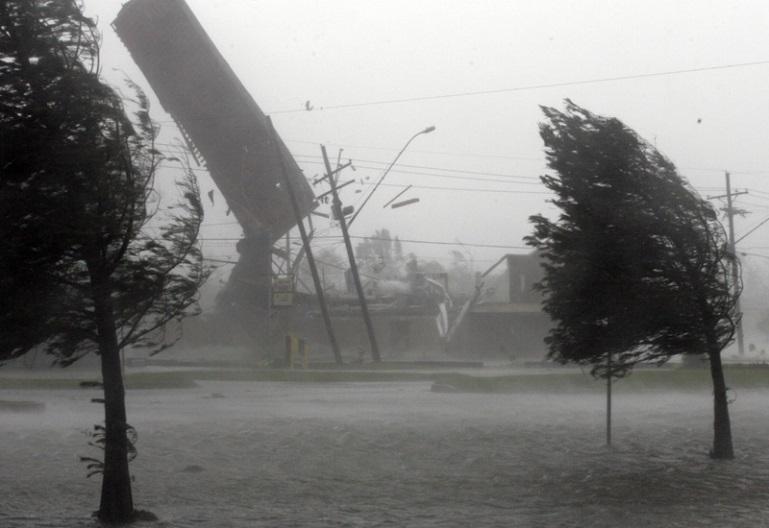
(506, 336)
(512, 327)
(524, 271)
(399, 336)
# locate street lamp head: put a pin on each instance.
(390, 166)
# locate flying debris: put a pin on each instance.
(396, 197)
(404, 203)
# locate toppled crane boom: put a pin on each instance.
(215, 113)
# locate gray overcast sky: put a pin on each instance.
(346, 52)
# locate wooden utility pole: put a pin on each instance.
(308, 251)
(730, 212)
(337, 209)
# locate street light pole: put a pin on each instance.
(382, 177)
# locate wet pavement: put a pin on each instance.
(393, 454)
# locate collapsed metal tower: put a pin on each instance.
(222, 124)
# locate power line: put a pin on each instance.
(756, 191)
(446, 176)
(419, 173)
(737, 172)
(440, 153)
(519, 158)
(428, 187)
(762, 222)
(529, 87)
(743, 253)
(430, 242)
(468, 189)
(427, 167)
(763, 207)
(233, 259)
(416, 173)
(359, 237)
(754, 204)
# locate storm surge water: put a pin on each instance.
(392, 454)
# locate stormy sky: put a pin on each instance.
(690, 76)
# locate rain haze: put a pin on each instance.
(445, 411)
(375, 73)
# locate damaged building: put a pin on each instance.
(228, 133)
(422, 319)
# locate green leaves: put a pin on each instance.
(77, 174)
(635, 263)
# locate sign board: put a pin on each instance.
(282, 299)
(283, 291)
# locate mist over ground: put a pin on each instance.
(394, 453)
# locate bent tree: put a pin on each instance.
(91, 262)
(636, 263)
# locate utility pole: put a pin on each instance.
(730, 212)
(308, 251)
(337, 212)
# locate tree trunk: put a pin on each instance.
(116, 500)
(722, 430)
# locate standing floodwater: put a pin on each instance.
(394, 454)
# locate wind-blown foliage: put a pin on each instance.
(89, 264)
(636, 265)
(76, 182)
(44, 48)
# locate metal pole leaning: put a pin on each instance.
(337, 208)
(306, 244)
(735, 270)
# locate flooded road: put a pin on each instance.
(393, 454)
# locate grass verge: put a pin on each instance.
(646, 379)
(649, 379)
